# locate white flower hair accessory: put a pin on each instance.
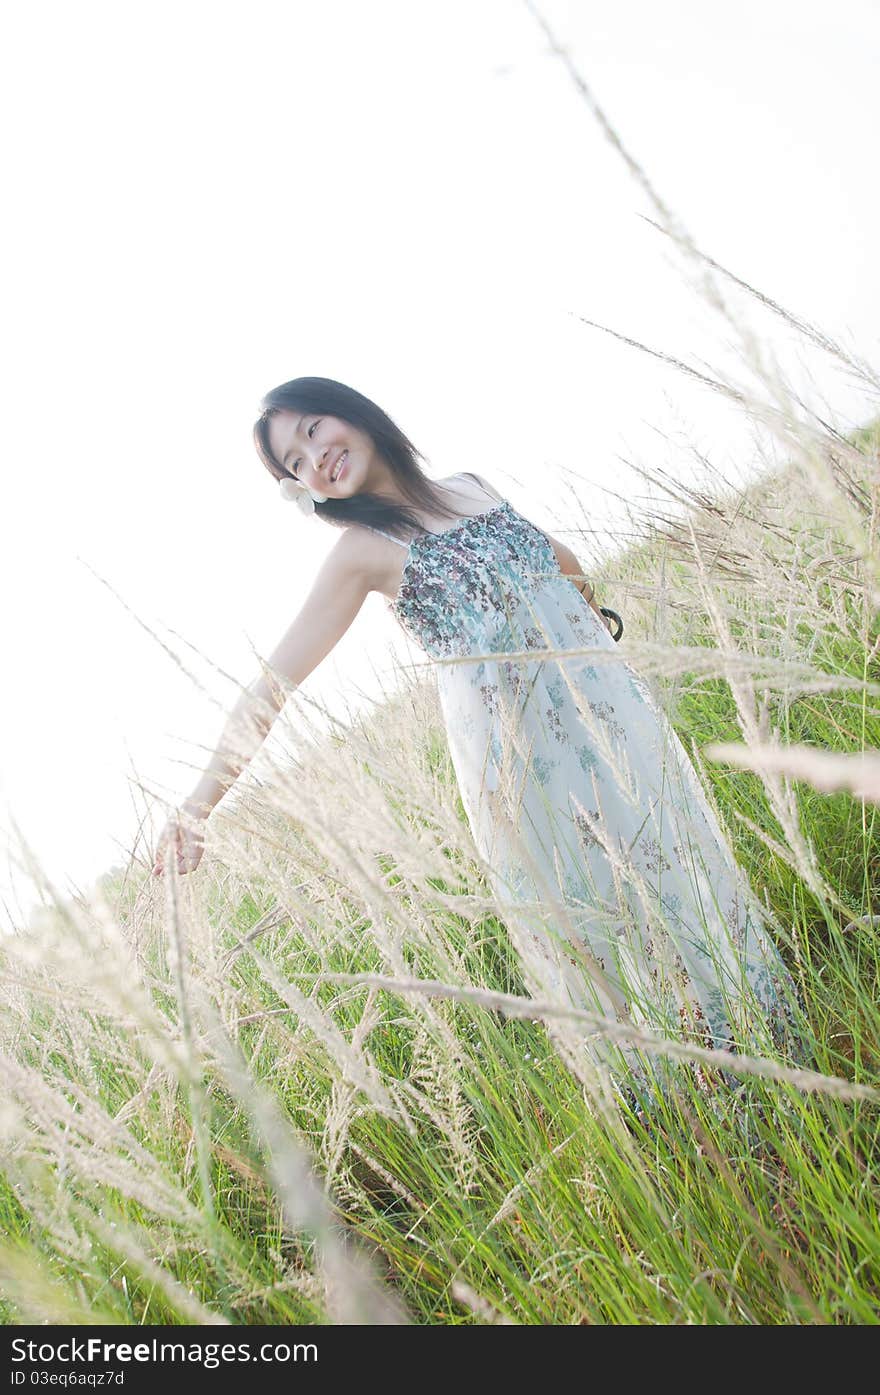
(304, 498)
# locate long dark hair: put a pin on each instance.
(326, 397)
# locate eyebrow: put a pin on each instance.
(287, 454)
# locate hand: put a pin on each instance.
(183, 840)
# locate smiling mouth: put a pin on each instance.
(340, 466)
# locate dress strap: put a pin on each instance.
(487, 488)
(461, 475)
(387, 535)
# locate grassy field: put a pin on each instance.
(207, 1117)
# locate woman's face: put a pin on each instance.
(327, 454)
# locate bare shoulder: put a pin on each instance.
(361, 553)
(484, 484)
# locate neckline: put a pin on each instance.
(465, 518)
(453, 528)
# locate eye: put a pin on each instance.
(313, 427)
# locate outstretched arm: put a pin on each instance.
(336, 596)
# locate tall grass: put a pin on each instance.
(308, 1082)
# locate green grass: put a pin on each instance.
(156, 1164)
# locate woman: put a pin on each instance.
(614, 877)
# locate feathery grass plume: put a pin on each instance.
(734, 1063)
(39, 1296)
(124, 1238)
(464, 1294)
(344, 1104)
(353, 1292)
(860, 774)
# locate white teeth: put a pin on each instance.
(339, 464)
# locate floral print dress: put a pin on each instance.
(612, 873)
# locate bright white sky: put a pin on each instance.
(207, 199)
